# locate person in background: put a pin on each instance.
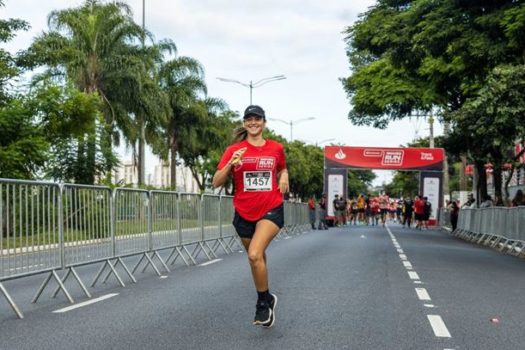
(311, 211)
(470, 203)
(361, 204)
(322, 213)
(258, 168)
(487, 202)
(454, 214)
(419, 211)
(408, 209)
(341, 208)
(427, 210)
(518, 199)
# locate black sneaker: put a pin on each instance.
(263, 313)
(273, 304)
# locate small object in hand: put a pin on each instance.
(237, 160)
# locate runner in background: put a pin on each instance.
(408, 209)
(354, 210)
(419, 211)
(383, 205)
(323, 202)
(427, 210)
(311, 211)
(361, 203)
(399, 210)
(258, 167)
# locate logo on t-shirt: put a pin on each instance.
(266, 163)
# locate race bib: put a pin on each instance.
(257, 181)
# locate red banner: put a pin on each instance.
(384, 158)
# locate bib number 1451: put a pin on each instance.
(257, 181)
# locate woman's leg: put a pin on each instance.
(265, 231)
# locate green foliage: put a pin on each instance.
(305, 168)
(98, 47)
(23, 147)
(404, 184)
(409, 56)
(359, 181)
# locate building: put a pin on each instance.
(127, 174)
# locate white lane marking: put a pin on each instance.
(429, 305)
(163, 277)
(418, 282)
(407, 264)
(400, 251)
(438, 326)
(210, 262)
(403, 256)
(422, 294)
(397, 246)
(413, 275)
(363, 236)
(85, 303)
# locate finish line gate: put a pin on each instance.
(427, 161)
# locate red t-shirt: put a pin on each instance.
(255, 179)
(419, 206)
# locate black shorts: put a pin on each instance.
(246, 229)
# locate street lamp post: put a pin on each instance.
(251, 85)
(291, 123)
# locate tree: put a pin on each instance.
(182, 80)
(493, 121)
(207, 140)
(8, 67)
(359, 181)
(23, 147)
(305, 168)
(97, 47)
(417, 55)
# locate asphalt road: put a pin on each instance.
(356, 287)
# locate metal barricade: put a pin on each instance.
(132, 221)
(190, 217)
(30, 231)
(29, 228)
(229, 236)
(165, 219)
(226, 217)
(86, 224)
(210, 217)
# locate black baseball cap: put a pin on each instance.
(254, 110)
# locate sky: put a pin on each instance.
(249, 40)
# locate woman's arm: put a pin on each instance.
(283, 181)
(220, 176)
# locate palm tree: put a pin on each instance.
(182, 79)
(98, 47)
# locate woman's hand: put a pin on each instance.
(237, 156)
(283, 181)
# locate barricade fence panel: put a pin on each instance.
(86, 221)
(227, 213)
(507, 223)
(29, 227)
(190, 217)
(49, 226)
(211, 216)
(165, 219)
(132, 215)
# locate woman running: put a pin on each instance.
(260, 178)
